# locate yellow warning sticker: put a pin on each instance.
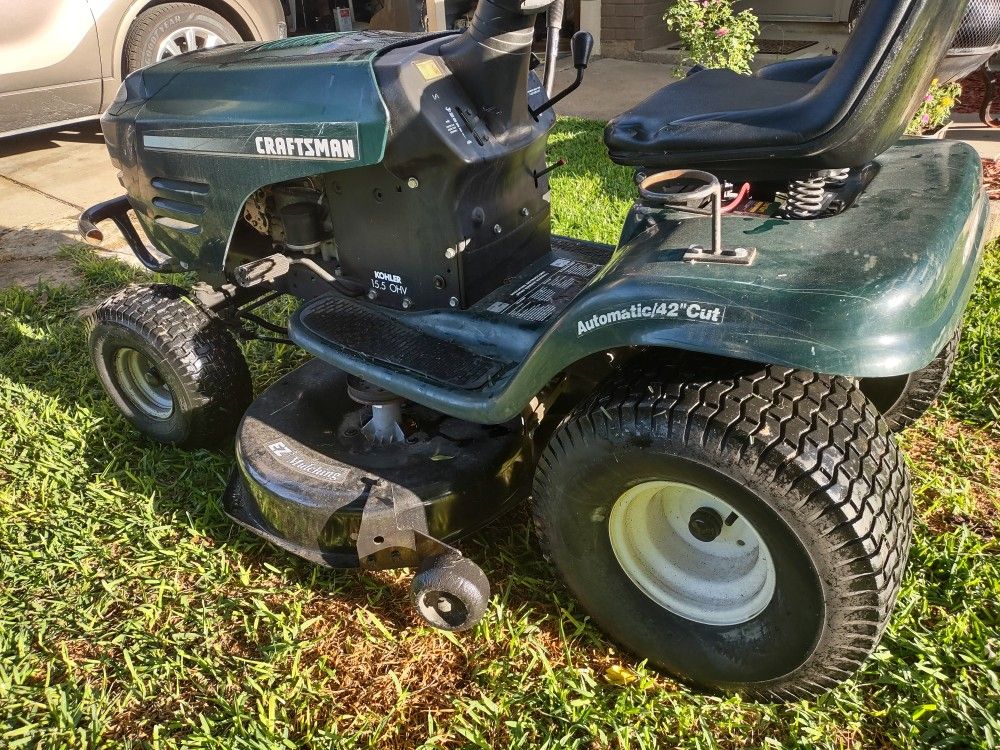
(429, 69)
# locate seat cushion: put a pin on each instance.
(799, 70)
(786, 123)
(710, 109)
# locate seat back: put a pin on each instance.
(862, 106)
(724, 123)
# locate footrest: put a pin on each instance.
(341, 323)
(459, 362)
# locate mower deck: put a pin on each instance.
(310, 481)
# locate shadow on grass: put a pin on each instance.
(43, 335)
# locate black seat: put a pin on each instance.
(802, 70)
(795, 118)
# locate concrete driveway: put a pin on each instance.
(46, 180)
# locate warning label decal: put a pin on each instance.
(547, 292)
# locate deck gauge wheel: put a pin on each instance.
(450, 592)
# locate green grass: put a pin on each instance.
(133, 613)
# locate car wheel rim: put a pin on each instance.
(692, 553)
(142, 384)
(187, 39)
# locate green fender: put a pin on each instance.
(875, 291)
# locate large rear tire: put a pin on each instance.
(744, 532)
(906, 398)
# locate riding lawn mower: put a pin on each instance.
(702, 414)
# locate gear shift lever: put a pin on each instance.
(583, 47)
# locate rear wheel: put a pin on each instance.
(744, 532)
(906, 398)
(171, 29)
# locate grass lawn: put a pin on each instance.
(133, 613)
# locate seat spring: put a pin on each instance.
(805, 198)
(837, 178)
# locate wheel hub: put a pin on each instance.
(705, 524)
(187, 39)
(443, 608)
(142, 383)
(691, 553)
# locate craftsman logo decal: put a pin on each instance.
(699, 312)
(288, 456)
(327, 141)
(320, 148)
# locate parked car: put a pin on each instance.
(62, 61)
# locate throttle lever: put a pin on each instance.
(583, 47)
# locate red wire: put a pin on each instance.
(730, 207)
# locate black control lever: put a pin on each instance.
(583, 47)
(550, 168)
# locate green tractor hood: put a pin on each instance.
(196, 135)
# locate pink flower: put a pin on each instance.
(924, 119)
(722, 31)
(928, 97)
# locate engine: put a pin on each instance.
(407, 165)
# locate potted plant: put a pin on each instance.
(934, 116)
(714, 34)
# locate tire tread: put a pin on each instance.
(195, 345)
(805, 433)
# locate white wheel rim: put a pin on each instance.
(726, 581)
(187, 39)
(141, 382)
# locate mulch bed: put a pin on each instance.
(991, 178)
(973, 90)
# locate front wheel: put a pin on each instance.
(172, 369)
(744, 532)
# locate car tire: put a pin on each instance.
(798, 468)
(906, 398)
(172, 369)
(174, 28)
